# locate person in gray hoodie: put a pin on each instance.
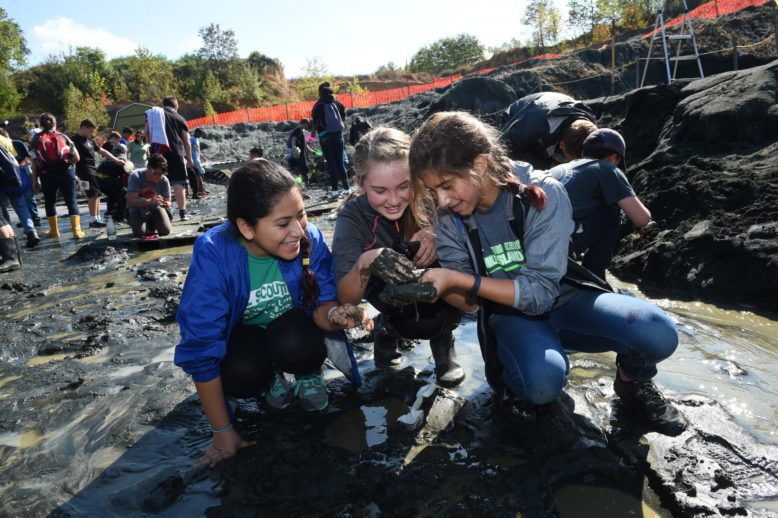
(381, 236)
(513, 265)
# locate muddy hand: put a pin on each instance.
(409, 294)
(349, 316)
(392, 268)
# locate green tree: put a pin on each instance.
(315, 72)
(213, 90)
(389, 69)
(149, 77)
(189, 71)
(219, 52)
(9, 96)
(249, 88)
(218, 44)
(355, 87)
(583, 16)
(544, 18)
(447, 54)
(13, 53)
(13, 46)
(265, 65)
(79, 106)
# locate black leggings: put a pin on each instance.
(291, 343)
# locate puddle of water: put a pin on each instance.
(361, 428)
(161, 253)
(123, 372)
(42, 360)
(165, 356)
(8, 379)
(29, 438)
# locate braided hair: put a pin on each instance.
(451, 141)
(253, 191)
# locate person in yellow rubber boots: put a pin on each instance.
(53, 155)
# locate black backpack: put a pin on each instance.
(359, 127)
(527, 133)
(9, 170)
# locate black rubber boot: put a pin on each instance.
(10, 253)
(385, 350)
(32, 238)
(447, 370)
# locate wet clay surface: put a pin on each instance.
(95, 420)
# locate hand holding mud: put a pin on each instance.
(349, 316)
(392, 268)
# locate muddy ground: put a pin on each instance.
(97, 421)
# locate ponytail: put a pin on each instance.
(535, 195)
(308, 282)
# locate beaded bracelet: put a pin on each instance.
(222, 430)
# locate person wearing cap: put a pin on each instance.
(86, 168)
(599, 191)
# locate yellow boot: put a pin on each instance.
(53, 227)
(75, 224)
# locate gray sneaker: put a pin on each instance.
(312, 393)
(279, 394)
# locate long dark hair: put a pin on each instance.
(253, 191)
(450, 142)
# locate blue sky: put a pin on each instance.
(349, 36)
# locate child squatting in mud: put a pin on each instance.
(371, 231)
(258, 301)
(532, 311)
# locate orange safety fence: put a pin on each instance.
(299, 110)
(713, 9)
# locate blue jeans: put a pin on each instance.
(534, 351)
(63, 181)
(21, 205)
(332, 149)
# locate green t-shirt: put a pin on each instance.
(268, 293)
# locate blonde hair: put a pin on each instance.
(388, 145)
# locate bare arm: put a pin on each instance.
(635, 211)
(351, 287)
(105, 154)
(226, 441)
(187, 148)
(452, 285)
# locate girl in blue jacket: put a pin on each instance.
(258, 301)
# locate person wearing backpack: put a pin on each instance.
(513, 265)
(53, 154)
(540, 128)
(328, 115)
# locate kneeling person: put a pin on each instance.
(148, 199)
